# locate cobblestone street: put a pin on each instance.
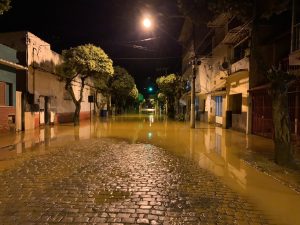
(109, 181)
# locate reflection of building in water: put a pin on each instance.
(218, 139)
(220, 158)
(151, 119)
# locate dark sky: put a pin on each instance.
(114, 25)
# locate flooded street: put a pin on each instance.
(138, 170)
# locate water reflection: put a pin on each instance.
(212, 148)
(216, 150)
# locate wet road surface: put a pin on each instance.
(138, 171)
(111, 181)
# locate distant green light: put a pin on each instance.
(150, 89)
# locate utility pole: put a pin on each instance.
(195, 62)
(192, 119)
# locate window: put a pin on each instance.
(6, 94)
(218, 105)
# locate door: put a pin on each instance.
(262, 123)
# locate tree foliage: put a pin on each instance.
(171, 88)
(134, 93)
(4, 6)
(86, 61)
(80, 63)
(240, 9)
(141, 98)
(161, 97)
(196, 10)
(121, 86)
(203, 11)
(167, 84)
(122, 82)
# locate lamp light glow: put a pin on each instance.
(147, 23)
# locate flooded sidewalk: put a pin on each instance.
(139, 170)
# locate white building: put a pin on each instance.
(222, 80)
(44, 98)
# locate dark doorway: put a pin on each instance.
(47, 113)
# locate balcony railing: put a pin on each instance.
(293, 69)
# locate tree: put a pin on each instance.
(281, 119)
(133, 98)
(134, 93)
(81, 63)
(4, 6)
(121, 86)
(260, 64)
(171, 88)
(103, 85)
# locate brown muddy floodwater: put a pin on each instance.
(212, 148)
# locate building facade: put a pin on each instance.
(10, 112)
(44, 99)
(222, 78)
(234, 89)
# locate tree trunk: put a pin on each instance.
(171, 108)
(77, 103)
(281, 122)
(108, 99)
(77, 113)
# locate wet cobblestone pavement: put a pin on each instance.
(108, 181)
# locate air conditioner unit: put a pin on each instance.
(225, 66)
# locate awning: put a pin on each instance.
(13, 65)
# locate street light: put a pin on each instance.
(195, 62)
(147, 22)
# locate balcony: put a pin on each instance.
(240, 65)
(291, 67)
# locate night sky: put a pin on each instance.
(114, 25)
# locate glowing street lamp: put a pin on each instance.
(147, 23)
